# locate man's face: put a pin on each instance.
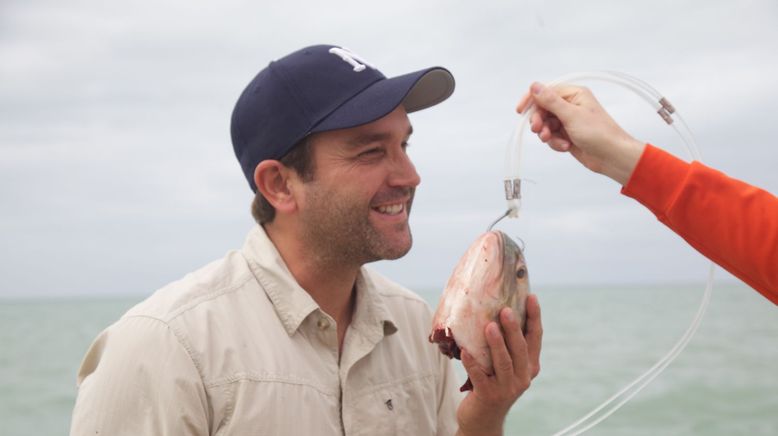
(356, 207)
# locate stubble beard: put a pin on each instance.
(340, 232)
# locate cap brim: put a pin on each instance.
(415, 91)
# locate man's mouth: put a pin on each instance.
(390, 209)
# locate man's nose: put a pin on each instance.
(404, 172)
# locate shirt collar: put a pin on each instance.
(293, 304)
(371, 317)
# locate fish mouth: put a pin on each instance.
(448, 346)
(446, 343)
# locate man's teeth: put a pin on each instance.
(391, 209)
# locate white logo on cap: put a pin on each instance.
(352, 58)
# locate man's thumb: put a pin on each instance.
(549, 100)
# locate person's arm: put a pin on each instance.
(138, 379)
(516, 358)
(730, 222)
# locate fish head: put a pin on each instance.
(515, 277)
(491, 275)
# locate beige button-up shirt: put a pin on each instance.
(239, 348)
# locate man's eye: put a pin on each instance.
(371, 152)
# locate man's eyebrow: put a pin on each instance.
(369, 138)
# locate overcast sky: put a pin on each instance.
(117, 174)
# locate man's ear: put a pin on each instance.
(272, 179)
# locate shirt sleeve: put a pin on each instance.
(730, 222)
(138, 379)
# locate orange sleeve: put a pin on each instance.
(730, 222)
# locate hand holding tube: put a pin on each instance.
(569, 118)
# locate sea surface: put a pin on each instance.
(596, 340)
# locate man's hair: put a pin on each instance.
(299, 159)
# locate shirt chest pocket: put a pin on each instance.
(405, 408)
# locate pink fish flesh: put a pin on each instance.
(491, 275)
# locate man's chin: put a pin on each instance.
(395, 255)
(397, 249)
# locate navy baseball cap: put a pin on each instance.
(321, 88)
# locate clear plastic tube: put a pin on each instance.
(646, 92)
(637, 385)
(513, 195)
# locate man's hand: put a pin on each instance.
(569, 118)
(516, 359)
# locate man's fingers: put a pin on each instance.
(557, 140)
(514, 339)
(545, 133)
(523, 103)
(535, 123)
(537, 120)
(505, 356)
(477, 375)
(534, 334)
(554, 124)
(559, 144)
(551, 99)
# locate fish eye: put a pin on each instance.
(521, 273)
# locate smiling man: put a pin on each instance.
(292, 335)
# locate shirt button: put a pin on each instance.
(323, 323)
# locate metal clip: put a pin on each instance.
(665, 115)
(512, 189)
(667, 105)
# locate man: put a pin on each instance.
(292, 335)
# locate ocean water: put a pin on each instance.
(596, 340)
